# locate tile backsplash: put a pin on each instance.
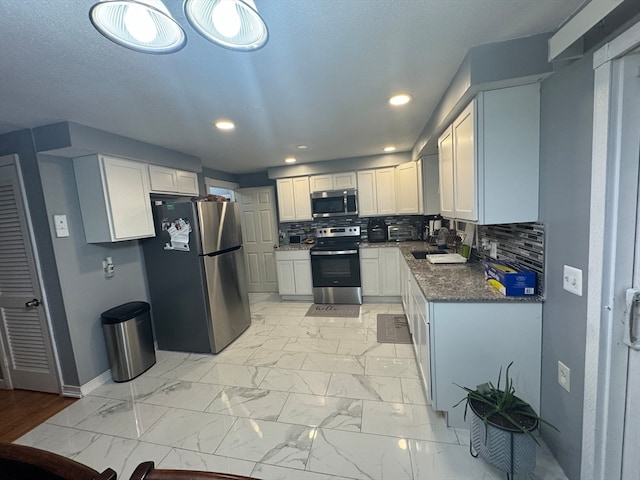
(308, 229)
(522, 243)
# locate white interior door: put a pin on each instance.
(260, 236)
(29, 362)
(631, 145)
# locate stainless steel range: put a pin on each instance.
(335, 265)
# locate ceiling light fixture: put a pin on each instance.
(225, 125)
(142, 25)
(290, 160)
(234, 24)
(390, 148)
(302, 147)
(401, 99)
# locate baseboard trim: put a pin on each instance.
(375, 299)
(71, 391)
(91, 385)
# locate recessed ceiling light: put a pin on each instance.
(302, 147)
(225, 125)
(400, 99)
(290, 160)
(390, 148)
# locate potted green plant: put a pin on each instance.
(502, 426)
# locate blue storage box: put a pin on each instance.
(510, 279)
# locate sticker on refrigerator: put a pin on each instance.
(178, 231)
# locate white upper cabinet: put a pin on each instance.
(335, 181)
(367, 193)
(465, 166)
(170, 180)
(489, 158)
(294, 199)
(114, 198)
(390, 190)
(445, 152)
(187, 182)
(409, 188)
(344, 180)
(386, 190)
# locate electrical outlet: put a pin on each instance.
(564, 376)
(493, 249)
(572, 280)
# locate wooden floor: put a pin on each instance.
(22, 410)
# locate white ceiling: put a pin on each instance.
(322, 80)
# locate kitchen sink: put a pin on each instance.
(422, 254)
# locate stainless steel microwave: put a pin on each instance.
(334, 203)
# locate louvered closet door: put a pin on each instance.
(27, 346)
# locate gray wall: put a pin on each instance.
(565, 177)
(21, 143)
(86, 291)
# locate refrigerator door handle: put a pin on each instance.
(221, 252)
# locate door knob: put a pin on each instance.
(32, 303)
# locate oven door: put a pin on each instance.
(335, 268)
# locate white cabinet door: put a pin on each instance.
(286, 204)
(367, 193)
(302, 273)
(370, 271)
(163, 180)
(128, 193)
(406, 278)
(114, 198)
(170, 180)
(187, 182)
(390, 284)
(302, 198)
(344, 180)
(424, 360)
(445, 163)
(321, 183)
(335, 181)
(286, 277)
(409, 188)
(465, 175)
(294, 272)
(386, 190)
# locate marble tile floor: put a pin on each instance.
(294, 398)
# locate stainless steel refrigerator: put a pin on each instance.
(196, 276)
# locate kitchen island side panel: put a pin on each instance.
(470, 343)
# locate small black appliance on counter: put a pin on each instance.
(377, 230)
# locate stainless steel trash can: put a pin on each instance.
(129, 339)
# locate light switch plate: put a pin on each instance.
(572, 280)
(60, 222)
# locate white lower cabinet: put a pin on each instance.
(294, 272)
(466, 343)
(380, 271)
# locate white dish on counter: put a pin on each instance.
(446, 258)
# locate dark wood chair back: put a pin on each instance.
(18, 462)
(147, 471)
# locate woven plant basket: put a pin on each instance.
(507, 449)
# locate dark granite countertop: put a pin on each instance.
(295, 246)
(441, 282)
(449, 282)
